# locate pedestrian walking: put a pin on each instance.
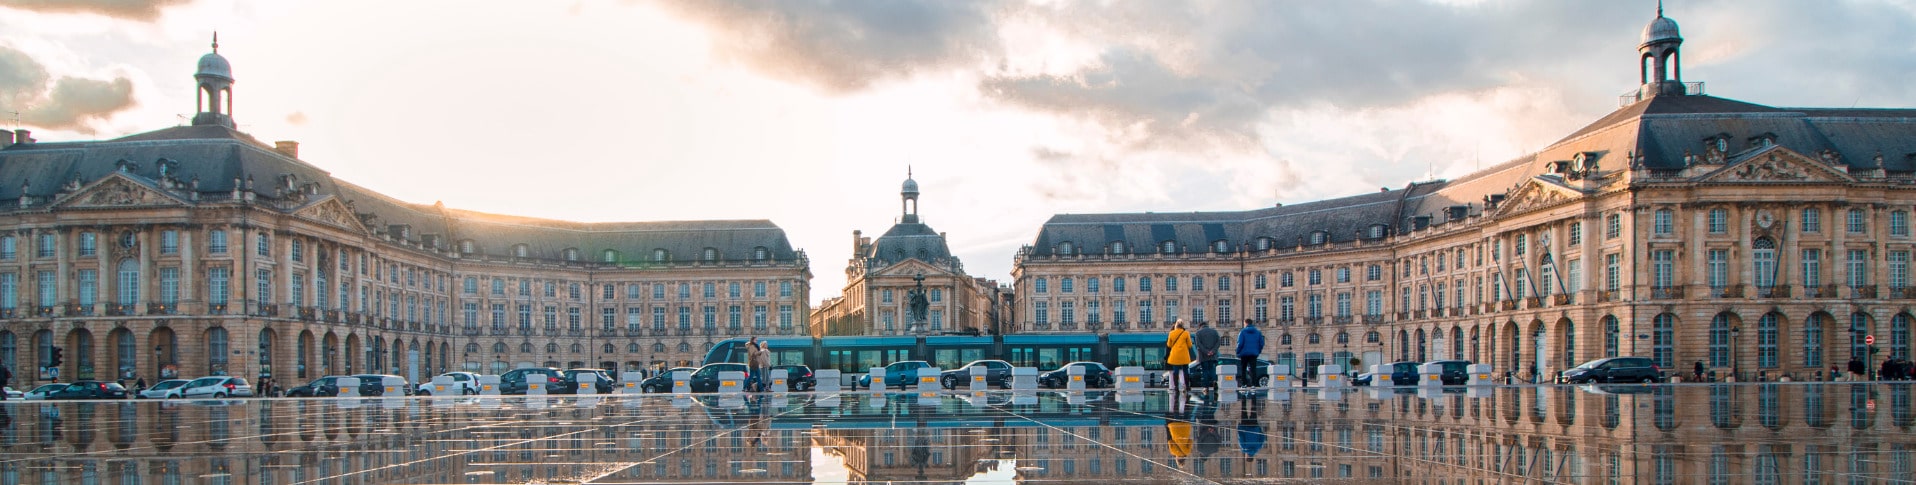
(1250, 343)
(1179, 357)
(1206, 340)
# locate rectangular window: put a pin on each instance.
(572, 318)
(1664, 222)
(50, 290)
(1662, 268)
(784, 316)
(1523, 283)
(9, 290)
(631, 291)
(731, 290)
(1374, 303)
(8, 248)
(1574, 282)
(1144, 284)
(498, 315)
(1344, 274)
(1343, 305)
(1719, 268)
(1117, 311)
(1117, 284)
(216, 285)
(471, 285)
(1812, 268)
(170, 286)
(1067, 312)
(1856, 223)
(498, 286)
(758, 289)
(1899, 269)
(551, 317)
(1316, 277)
(609, 291)
(1091, 285)
(1899, 224)
(89, 244)
(525, 315)
(299, 254)
(710, 290)
(45, 248)
(608, 317)
(263, 245)
(1812, 220)
(1719, 221)
(1576, 233)
(470, 310)
(1613, 226)
(1286, 308)
(1259, 282)
(784, 289)
(658, 291)
(658, 317)
(1144, 312)
(1042, 312)
(1612, 273)
(1858, 267)
(89, 288)
(1171, 284)
(264, 287)
(1171, 310)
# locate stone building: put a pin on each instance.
(199, 250)
(1685, 227)
(910, 261)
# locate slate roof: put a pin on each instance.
(216, 156)
(907, 240)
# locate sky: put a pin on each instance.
(810, 113)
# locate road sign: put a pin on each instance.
(1869, 340)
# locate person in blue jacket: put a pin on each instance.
(1250, 343)
(1250, 433)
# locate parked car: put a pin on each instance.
(88, 390)
(375, 384)
(662, 382)
(463, 383)
(322, 387)
(997, 373)
(706, 379)
(1096, 375)
(798, 377)
(902, 374)
(41, 392)
(1364, 379)
(1615, 369)
(217, 387)
(513, 382)
(167, 389)
(602, 384)
(1201, 373)
(13, 394)
(1399, 374)
(1453, 372)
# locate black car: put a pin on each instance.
(1453, 372)
(1095, 375)
(706, 379)
(375, 384)
(798, 377)
(662, 382)
(1202, 373)
(1615, 369)
(602, 382)
(997, 373)
(89, 390)
(514, 381)
(1400, 374)
(322, 387)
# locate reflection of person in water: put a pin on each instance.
(1209, 434)
(1179, 433)
(1250, 433)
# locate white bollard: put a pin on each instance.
(1023, 397)
(1430, 375)
(1024, 378)
(1380, 375)
(629, 382)
(394, 386)
(1226, 377)
(588, 384)
(980, 378)
(828, 380)
(876, 401)
(348, 386)
(731, 382)
(489, 385)
(928, 379)
(1330, 375)
(1130, 378)
(538, 384)
(1280, 375)
(443, 386)
(878, 383)
(1480, 375)
(1074, 378)
(777, 380)
(681, 382)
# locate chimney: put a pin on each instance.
(287, 147)
(6, 139)
(22, 137)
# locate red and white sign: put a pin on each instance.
(1869, 340)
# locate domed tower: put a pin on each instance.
(215, 78)
(1659, 58)
(909, 200)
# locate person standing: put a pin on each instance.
(1179, 358)
(1856, 369)
(1206, 340)
(763, 355)
(6, 374)
(1250, 343)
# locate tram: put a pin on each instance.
(857, 354)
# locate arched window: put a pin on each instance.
(609, 348)
(1376, 231)
(498, 347)
(1457, 343)
(1372, 337)
(525, 348)
(1312, 339)
(1262, 244)
(1766, 338)
(710, 255)
(658, 347)
(1813, 341)
(1066, 248)
(1168, 247)
(632, 348)
(1117, 247)
(472, 348)
(684, 347)
(129, 282)
(1899, 336)
(1859, 328)
(552, 348)
(576, 348)
(217, 351)
(660, 255)
(1610, 334)
(1343, 338)
(1284, 339)
(1663, 340)
(467, 247)
(761, 254)
(1720, 340)
(1763, 259)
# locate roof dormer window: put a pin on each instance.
(660, 255)
(1263, 244)
(1066, 248)
(611, 256)
(1376, 231)
(521, 250)
(1763, 140)
(1168, 247)
(710, 255)
(1319, 237)
(467, 247)
(760, 253)
(1117, 247)
(570, 254)
(1220, 246)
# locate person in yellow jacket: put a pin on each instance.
(1179, 356)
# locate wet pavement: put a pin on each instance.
(1747, 433)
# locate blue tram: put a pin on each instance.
(857, 354)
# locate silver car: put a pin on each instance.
(167, 389)
(217, 387)
(40, 393)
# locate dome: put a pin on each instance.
(215, 65)
(907, 241)
(910, 188)
(1660, 29)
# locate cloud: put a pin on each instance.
(847, 46)
(141, 10)
(297, 118)
(67, 103)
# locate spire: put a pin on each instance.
(216, 34)
(1659, 14)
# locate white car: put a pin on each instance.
(463, 383)
(167, 389)
(13, 394)
(217, 387)
(40, 393)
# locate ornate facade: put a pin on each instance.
(1757, 240)
(910, 262)
(199, 250)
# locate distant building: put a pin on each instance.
(199, 250)
(910, 259)
(1684, 227)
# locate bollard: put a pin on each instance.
(629, 382)
(489, 385)
(1074, 378)
(980, 378)
(538, 384)
(828, 380)
(1130, 378)
(588, 384)
(348, 386)
(778, 378)
(731, 382)
(441, 385)
(681, 382)
(1430, 375)
(878, 383)
(1023, 397)
(392, 386)
(1480, 375)
(1280, 375)
(928, 379)
(1024, 378)
(1330, 375)
(1380, 376)
(876, 401)
(1226, 377)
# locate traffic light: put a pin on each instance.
(54, 359)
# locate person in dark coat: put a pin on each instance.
(1856, 367)
(1699, 371)
(1206, 341)
(6, 374)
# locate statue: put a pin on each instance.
(920, 306)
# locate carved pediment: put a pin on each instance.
(908, 268)
(1534, 195)
(331, 211)
(1776, 165)
(116, 190)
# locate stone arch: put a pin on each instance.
(269, 348)
(1423, 347)
(1534, 350)
(1815, 342)
(350, 353)
(1567, 354)
(125, 353)
(219, 348)
(329, 354)
(79, 355)
(1723, 332)
(166, 352)
(302, 353)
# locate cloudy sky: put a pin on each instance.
(808, 113)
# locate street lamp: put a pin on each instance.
(1735, 333)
